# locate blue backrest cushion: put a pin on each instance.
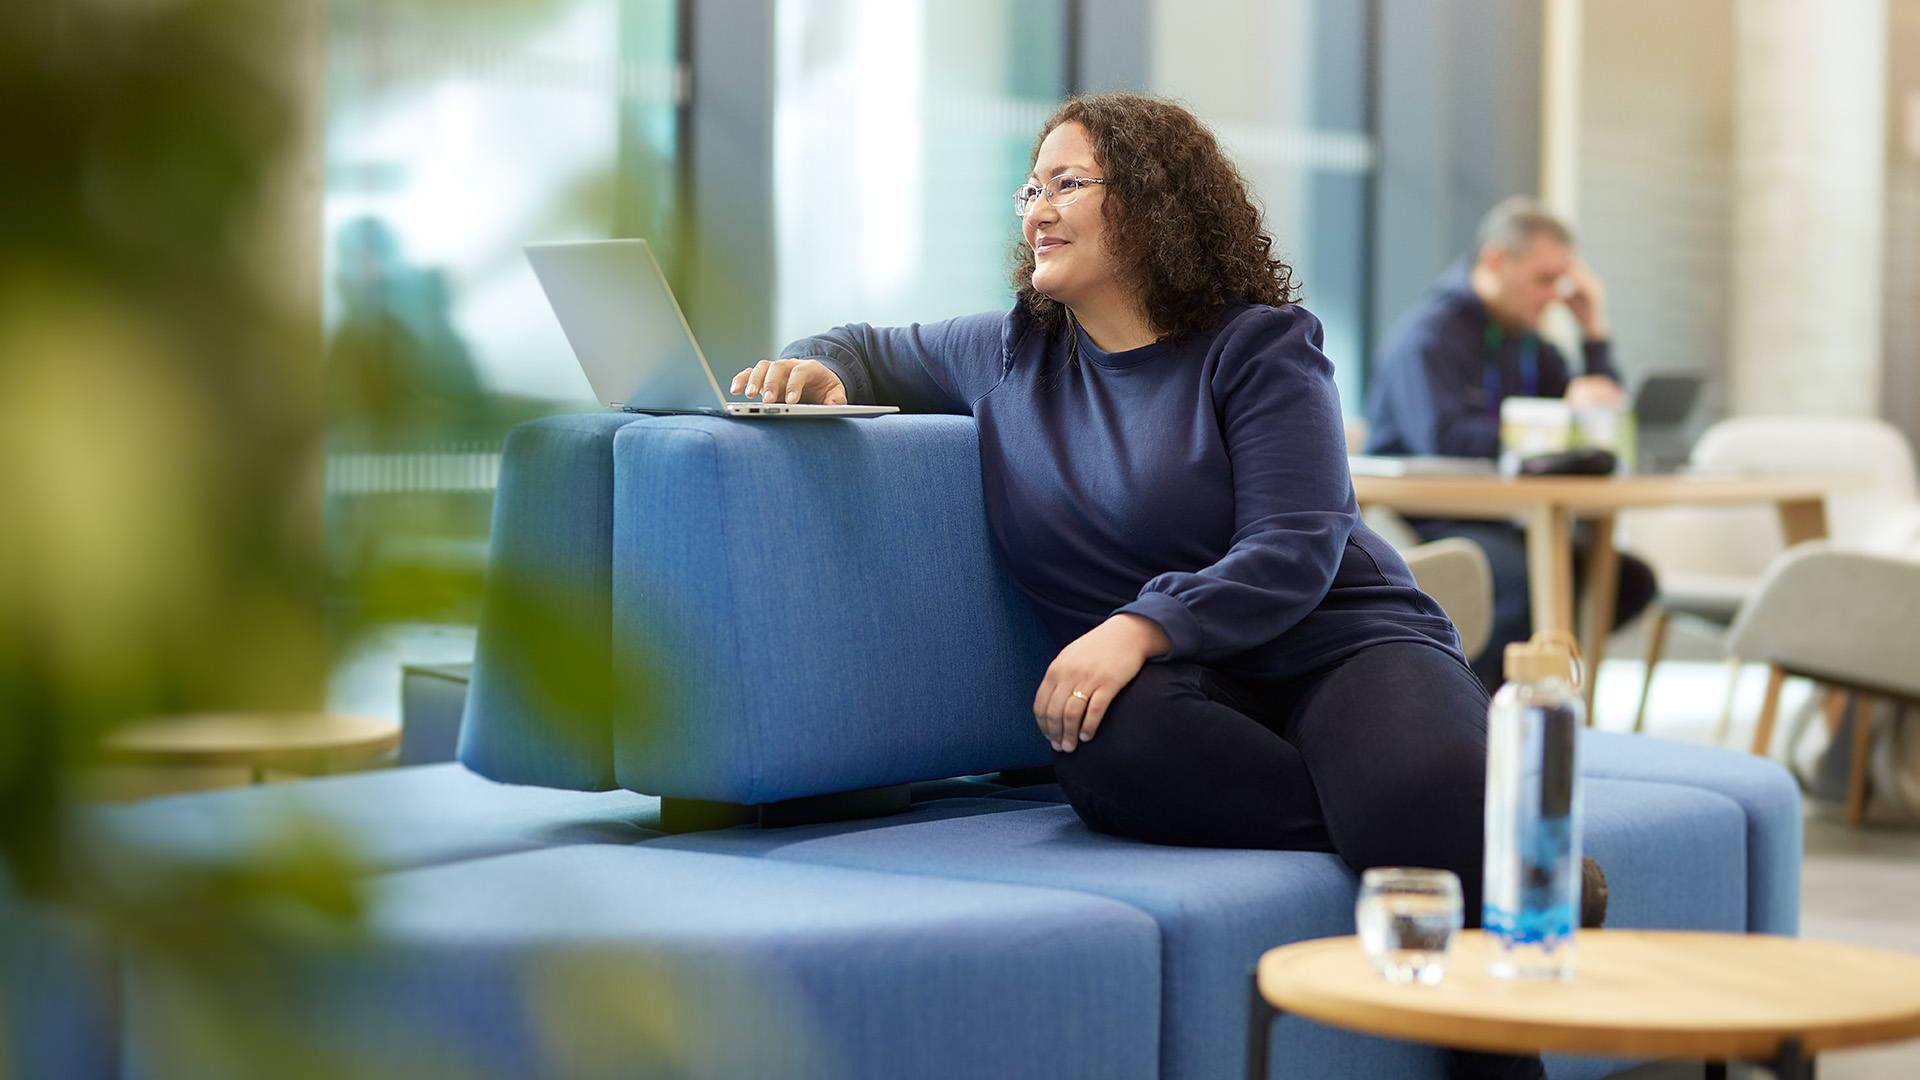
(539, 706)
(812, 606)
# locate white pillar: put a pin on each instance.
(1560, 56)
(1808, 187)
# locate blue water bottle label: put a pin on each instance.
(1543, 926)
(1548, 889)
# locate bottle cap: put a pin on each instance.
(1548, 655)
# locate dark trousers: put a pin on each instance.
(1380, 759)
(1506, 548)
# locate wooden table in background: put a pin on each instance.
(1549, 505)
(1636, 994)
(301, 742)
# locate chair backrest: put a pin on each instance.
(1831, 613)
(1807, 443)
(1455, 572)
(1740, 542)
(1356, 434)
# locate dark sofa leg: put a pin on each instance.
(1794, 1063)
(700, 815)
(1259, 1029)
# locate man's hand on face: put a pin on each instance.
(1595, 392)
(1586, 298)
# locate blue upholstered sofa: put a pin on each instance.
(795, 639)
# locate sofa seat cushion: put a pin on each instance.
(1675, 856)
(59, 980)
(1763, 789)
(58, 1012)
(602, 960)
(390, 818)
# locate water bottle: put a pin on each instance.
(1532, 884)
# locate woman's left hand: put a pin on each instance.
(1099, 664)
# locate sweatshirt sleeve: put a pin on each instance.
(1432, 388)
(1597, 357)
(1293, 501)
(941, 367)
(1556, 375)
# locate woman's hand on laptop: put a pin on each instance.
(794, 382)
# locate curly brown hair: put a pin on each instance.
(1180, 219)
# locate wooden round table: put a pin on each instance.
(1716, 997)
(295, 742)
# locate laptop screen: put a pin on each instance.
(1666, 400)
(624, 325)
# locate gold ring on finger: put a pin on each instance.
(1081, 694)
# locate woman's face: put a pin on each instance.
(1070, 259)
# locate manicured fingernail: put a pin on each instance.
(1085, 735)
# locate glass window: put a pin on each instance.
(455, 134)
(1286, 93)
(901, 129)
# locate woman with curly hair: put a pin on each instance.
(1242, 662)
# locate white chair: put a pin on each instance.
(1710, 560)
(1455, 573)
(1356, 434)
(1845, 619)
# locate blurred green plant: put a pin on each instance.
(163, 426)
(158, 427)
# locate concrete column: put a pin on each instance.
(1808, 185)
(1562, 48)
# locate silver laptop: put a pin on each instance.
(632, 340)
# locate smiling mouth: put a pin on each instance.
(1047, 245)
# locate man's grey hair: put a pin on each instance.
(1516, 221)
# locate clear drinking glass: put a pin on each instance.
(1407, 918)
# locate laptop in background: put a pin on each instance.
(633, 341)
(1666, 401)
(1662, 407)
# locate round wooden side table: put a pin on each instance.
(1715, 997)
(298, 742)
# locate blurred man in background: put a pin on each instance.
(1473, 342)
(398, 374)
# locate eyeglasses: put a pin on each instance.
(1059, 190)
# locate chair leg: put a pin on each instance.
(1834, 707)
(1862, 749)
(1656, 646)
(1769, 708)
(1725, 723)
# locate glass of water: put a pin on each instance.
(1407, 918)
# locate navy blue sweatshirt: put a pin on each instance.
(1200, 483)
(1447, 366)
